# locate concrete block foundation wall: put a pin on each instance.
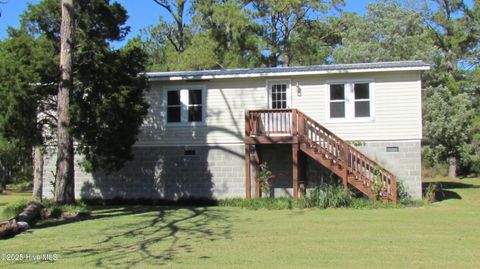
(217, 172)
(168, 173)
(404, 163)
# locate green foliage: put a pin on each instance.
(431, 192)
(327, 195)
(235, 33)
(22, 186)
(58, 211)
(14, 208)
(55, 210)
(447, 117)
(108, 96)
(402, 192)
(377, 183)
(255, 204)
(265, 178)
(387, 32)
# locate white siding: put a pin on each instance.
(397, 105)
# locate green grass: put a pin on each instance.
(441, 235)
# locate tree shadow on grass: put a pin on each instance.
(155, 237)
(100, 212)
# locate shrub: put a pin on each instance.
(23, 186)
(431, 191)
(325, 196)
(270, 203)
(402, 192)
(14, 208)
(57, 211)
(265, 178)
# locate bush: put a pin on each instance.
(23, 186)
(57, 211)
(402, 192)
(14, 208)
(325, 196)
(270, 203)
(430, 192)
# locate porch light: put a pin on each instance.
(299, 90)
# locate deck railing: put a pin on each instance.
(292, 122)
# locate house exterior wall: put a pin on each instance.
(163, 173)
(405, 164)
(396, 104)
(162, 170)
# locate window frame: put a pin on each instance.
(270, 82)
(350, 101)
(184, 105)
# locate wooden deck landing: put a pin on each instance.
(290, 126)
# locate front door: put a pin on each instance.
(279, 94)
(279, 97)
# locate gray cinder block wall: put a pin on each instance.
(169, 173)
(219, 171)
(404, 163)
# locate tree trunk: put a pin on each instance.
(22, 221)
(64, 181)
(452, 168)
(37, 172)
(286, 60)
(4, 173)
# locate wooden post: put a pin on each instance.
(303, 173)
(294, 122)
(295, 170)
(301, 124)
(257, 171)
(248, 188)
(247, 124)
(393, 189)
(346, 153)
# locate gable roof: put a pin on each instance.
(288, 71)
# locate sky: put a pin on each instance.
(142, 13)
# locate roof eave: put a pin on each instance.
(155, 76)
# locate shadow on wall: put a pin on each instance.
(192, 171)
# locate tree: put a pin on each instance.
(446, 121)
(107, 97)
(455, 30)
(231, 24)
(23, 60)
(64, 182)
(281, 20)
(237, 33)
(174, 32)
(387, 32)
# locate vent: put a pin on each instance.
(189, 152)
(393, 149)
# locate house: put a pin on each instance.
(207, 132)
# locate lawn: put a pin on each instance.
(445, 234)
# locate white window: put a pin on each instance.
(279, 95)
(184, 105)
(349, 101)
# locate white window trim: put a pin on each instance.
(184, 105)
(269, 82)
(350, 101)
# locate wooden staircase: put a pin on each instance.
(273, 126)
